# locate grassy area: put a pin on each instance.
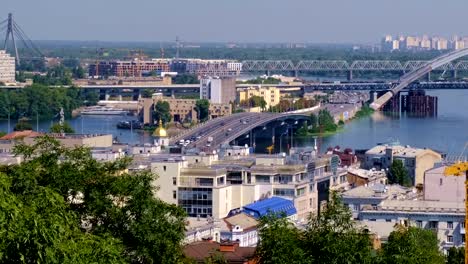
(364, 111)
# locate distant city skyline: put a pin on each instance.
(302, 21)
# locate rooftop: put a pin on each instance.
(398, 150)
(242, 220)
(232, 253)
(377, 190)
(273, 205)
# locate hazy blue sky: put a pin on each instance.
(327, 21)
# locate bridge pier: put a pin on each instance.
(350, 75)
(295, 73)
(428, 77)
(454, 74)
(172, 93)
(106, 95)
(267, 72)
(119, 97)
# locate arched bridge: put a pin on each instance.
(417, 73)
(210, 135)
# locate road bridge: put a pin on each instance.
(211, 135)
(417, 73)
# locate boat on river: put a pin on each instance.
(103, 110)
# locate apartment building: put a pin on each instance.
(438, 187)
(218, 90)
(129, 68)
(271, 95)
(7, 68)
(206, 186)
(415, 160)
(446, 219)
(201, 67)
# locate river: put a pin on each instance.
(447, 132)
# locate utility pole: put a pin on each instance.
(10, 32)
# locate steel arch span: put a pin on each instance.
(417, 73)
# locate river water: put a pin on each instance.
(447, 132)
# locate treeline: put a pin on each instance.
(323, 122)
(333, 237)
(43, 101)
(62, 206)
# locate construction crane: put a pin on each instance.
(460, 168)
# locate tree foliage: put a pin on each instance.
(202, 106)
(254, 101)
(398, 174)
(43, 101)
(412, 245)
(456, 255)
(22, 125)
(162, 112)
(330, 237)
(58, 75)
(62, 206)
(185, 79)
(65, 128)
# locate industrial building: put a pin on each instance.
(201, 67)
(181, 110)
(7, 68)
(420, 104)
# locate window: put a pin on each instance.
(449, 239)
(356, 207)
(283, 192)
(419, 224)
(164, 168)
(433, 224)
(300, 192)
(174, 194)
(462, 224)
(388, 220)
(441, 181)
(374, 206)
(450, 225)
(174, 181)
(463, 239)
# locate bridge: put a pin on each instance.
(342, 65)
(212, 134)
(416, 74)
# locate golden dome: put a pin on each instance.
(160, 131)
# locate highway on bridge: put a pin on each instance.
(212, 134)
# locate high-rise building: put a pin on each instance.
(7, 68)
(218, 90)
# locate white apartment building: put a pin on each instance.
(446, 219)
(7, 68)
(218, 90)
(415, 160)
(207, 187)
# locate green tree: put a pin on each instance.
(185, 79)
(202, 106)
(313, 120)
(326, 120)
(65, 128)
(147, 93)
(162, 112)
(412, 245)
(333, 237)
(110, 205)
(22, 125)
(398, 174)
(456, 255)
(37, 227)
(280, 241)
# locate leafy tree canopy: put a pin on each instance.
(398, 174)
(65, 128)
(62, 206)
(162, 112)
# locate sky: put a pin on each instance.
(310, 21)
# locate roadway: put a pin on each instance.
(212, 134)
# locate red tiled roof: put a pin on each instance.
(199, 251)
(20, 134)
